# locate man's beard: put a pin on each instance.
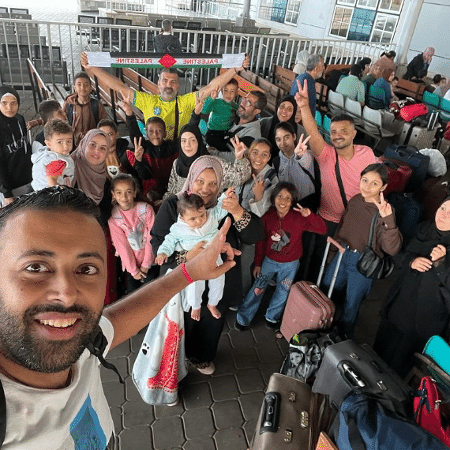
(169, 92)
(19, 343)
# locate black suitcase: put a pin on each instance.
(348, 366)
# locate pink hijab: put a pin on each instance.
(87, 177)
(197, 167)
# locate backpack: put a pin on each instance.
(94, 107)
(96, 345)
(410, 112)
(363, 424)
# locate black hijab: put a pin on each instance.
(428, 236)
(11, 126)
(275, 120)
(184, 162)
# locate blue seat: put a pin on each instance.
(444, 112)
(326, 129)
(430, 99)
(318, 118)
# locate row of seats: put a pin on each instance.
(367, 120)
(434, 102)
(14, 13)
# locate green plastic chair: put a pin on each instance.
(326, 129)
(444, 112)
(318, 118)
(431, 99)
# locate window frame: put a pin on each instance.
(374, 29)
(390, 11)
(350, 21)
(293, 11)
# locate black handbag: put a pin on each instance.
(370, 264)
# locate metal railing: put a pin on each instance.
(21, 39)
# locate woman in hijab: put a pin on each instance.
(205, 179)
(286, 112)
(300, 62)
(418, 305)
(15, 150)
(191, 147)
(90, 164)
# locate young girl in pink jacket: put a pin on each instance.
(130, 224)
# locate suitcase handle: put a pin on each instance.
(271, 413)
(350, 376)
(336, 244)
(341, 249)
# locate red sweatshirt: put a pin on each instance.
(283, 236)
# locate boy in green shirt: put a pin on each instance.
(222, 112)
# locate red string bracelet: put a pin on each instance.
(185, 273)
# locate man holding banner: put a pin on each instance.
(173, 109)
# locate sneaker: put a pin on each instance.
(274, 325)
(206, 368)
(175, 403)
(240, 327)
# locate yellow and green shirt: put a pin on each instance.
(153, 105)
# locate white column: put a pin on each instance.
(408, 25)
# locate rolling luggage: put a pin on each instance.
(419, 136)
(411, 156)
(291, 416)
(399, 175)
(348, 366)
(307, 308)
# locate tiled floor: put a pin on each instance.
(213, 412)
(217, 412)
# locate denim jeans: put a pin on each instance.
(358, 286)
(284, 273)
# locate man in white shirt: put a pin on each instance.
(53, 287)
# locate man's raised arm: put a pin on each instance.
(316, 141)
(137, 310)
(112, 81)
(220, 81)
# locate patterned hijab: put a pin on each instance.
(89, 178)
(197, 167)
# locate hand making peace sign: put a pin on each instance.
(301, 148)
(383, 206)
(239, 147)
(138, 149)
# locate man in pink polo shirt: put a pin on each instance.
(352, 159)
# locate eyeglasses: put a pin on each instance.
(246, 101)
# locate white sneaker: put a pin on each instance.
(205, 368)
(175, 403)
